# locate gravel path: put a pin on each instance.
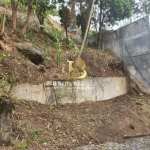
(137, 144)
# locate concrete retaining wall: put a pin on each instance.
(62, 92)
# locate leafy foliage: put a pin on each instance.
(65, 15)
(6, 2)
(42, 6)
(53, 12)
(23, 144)
(53, 32)
(141, 8)
(106, 13)
(145, 6)
(82, 17)
(58, 38)
(112, 11)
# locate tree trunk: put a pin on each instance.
(66, 32)
(66, 35)
(41, 21)
(100, 37)
(100, 28)
(82, 20)
(2, 25)
(86, 42)
(14, 21)
(14, 13)
(85, 36)
(24, 30)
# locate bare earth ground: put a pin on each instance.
(73, 125)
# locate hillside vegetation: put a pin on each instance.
(17, 67)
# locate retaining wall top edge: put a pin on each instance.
(94, 78)
(125, 26)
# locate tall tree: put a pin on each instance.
(83, 7)
(94, 19)
(111, 11)
(65, 15)
(82, 17)
(42, 7)
(14, 6)
(31, 4)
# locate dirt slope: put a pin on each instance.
(66, 127)
(13, 64)
(16, 66)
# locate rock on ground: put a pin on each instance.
(32, 52)
(6, 107)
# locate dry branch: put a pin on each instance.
(136, 135)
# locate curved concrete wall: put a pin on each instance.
(62, 92)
